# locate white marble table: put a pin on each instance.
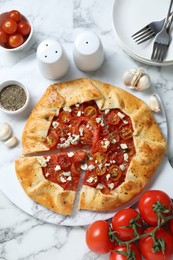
(22, 236)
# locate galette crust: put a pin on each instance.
(42, 191)
(149, 143)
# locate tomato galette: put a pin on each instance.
(89, 127)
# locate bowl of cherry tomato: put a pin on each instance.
(15, 30)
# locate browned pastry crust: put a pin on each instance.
(48, 194)
(149, 143)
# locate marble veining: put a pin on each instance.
(24, 237)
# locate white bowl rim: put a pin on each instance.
(16, 82)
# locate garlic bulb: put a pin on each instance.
(136, 79)
(5, 131)
(11, 142)
(154, 104)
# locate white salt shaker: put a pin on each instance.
(52, 59)
(88, 53)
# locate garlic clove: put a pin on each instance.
(136, 78)
(128, 76)
(143, 83)
(5, 131)
(11, 142)
(154, 104)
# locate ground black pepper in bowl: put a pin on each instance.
(12, 97)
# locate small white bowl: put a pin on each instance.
(14, 82)
(3, 16)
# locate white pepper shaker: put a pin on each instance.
(88, 53)
(52, 59)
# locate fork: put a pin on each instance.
(162, 40)
(149, 31)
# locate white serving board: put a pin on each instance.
(28, 73)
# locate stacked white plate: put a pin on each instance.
(131, 15)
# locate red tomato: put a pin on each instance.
(64, 162)
(123, 248)
(171, 226)
(90, 111)
(15, 15)
(9, 26)
(126, 133)
(154, 200)
(62, 130)
(97, 237)
(3, 37)
(24, 28)
(79, 156)
(64, 117)
(87, 135)
(115, 172)
(146, 245)
(126, 217)
(15, 40)
(113, 118)
(52, 139)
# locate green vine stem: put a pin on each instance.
(159, 244)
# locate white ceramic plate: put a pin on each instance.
(131, 15)
(37, 85)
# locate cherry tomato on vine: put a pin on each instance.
(153, 251)
(3, 37)
(123, 248)
(127, 217)
(24, 28)
(97, 237)
(152, 201)
(15, 40)
(15, 15)
(9, 26)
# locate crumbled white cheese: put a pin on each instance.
(112, 161)
(88, 127)
(91, 167)
(55, 124)
(105, 143)
(70, 140)
(125, 122)
(77, 105)
(98, 119)
(99, 186)
(81, 131)
(100, 166)
(113, 141)
(126, 157)
(122, 167)
(107, 111)
(111, 185)
(48, 158)
(47, 174)
(69, 178)
(84, 167)
(70, 154)
(108, 176)
(123, 146)
(67, 173)
(62, 179)
(79, 113)
(90, 179)
(107, 164)
(67, 109)
(57, 168)
(120, 115)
